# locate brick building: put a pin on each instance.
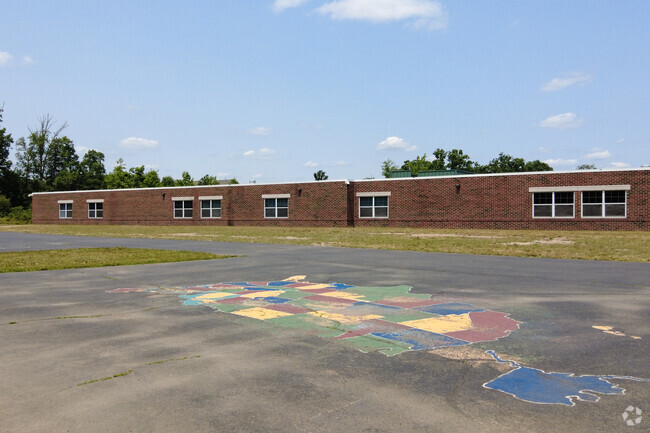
(581, 200)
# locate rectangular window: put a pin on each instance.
(276, 208)
(604, 204)
(183, 207)
(373, 206)
(211, 208)
(65, 210)
(95, 210)
(560, 204)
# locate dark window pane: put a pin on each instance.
(188, 213)
(563, 197)
(269, 213)
(381, 212)
(592, 197)
(178, 213)
(592, 210)
(205, 204)
(543, 210)
(381, 201)
(283, 202)
(269, 202)
(614, 196)
(365, 212)
(564, 210)
(283, 212)
(216, 204)
(100, 213)
(614, 210)
(99, 206)
(178, 205)
(205, 213)
(365, 201)
(187, 204)
(216, 213)
(543, 198)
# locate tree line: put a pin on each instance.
(456, 159)
(46, 160)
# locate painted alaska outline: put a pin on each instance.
(533, 385)
(388, 319)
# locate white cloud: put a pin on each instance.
(137, 143)
(5, 58)
(561, 162)
(396, 143)
(263, 153)
(425, 14)
(542, 149)
(337, 163)
(256, 176)
(280, 5)
(28, 60)
(559, 83)
(620, 165)
(259, 130)
(598, 154)
(310, 164)
(561, 121)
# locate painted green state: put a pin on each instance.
(314, 325)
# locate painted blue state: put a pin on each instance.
(280, 283)
(449, 308)
(272, 299)
(420, 339)
(537, 386)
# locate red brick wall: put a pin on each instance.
(500, 201)
(488, 201)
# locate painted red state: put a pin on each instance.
(287, 308)
(409, 304)
(316, 290)
(330, 299)
(486, 326)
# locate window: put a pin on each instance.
(183, 207)
(373, 206)
(553, 204)
(211, 207)
(276, 207)
(95, 209)
(65, 209)
(604, 204)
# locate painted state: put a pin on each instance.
(537, 386)
(390, 320)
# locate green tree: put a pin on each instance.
(119, 178)
(587, 167)
(185, 180)
(5, 206)
(388, 166)
(151, 179)
(92, 169)
(167, 181)
(439, 160)
(320, 175)
(208, 180)
(417, 165)
(457, 160)
(233, 181)
(537, 165)
(137, 176)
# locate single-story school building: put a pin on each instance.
(580, 200)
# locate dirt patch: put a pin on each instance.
(554, 241)
(473, 356)
(289, 237)
(436, 235)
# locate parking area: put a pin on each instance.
(177, 350)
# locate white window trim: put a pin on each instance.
(365, 194)
(95, 200)
(65, 201)
(552, 204)
(374, 194)
(182, 199)
(206, 198)
(89, 202)
(579, 188)
(275, 196)
(602, 210)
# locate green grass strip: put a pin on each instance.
(47, 260)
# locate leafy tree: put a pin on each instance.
(151, 179)
(119, 178)
(320, 175)
(439, 158)
(137, 176)
(208, 180)
(92, 169)
(587, 167)
(388, 166)
(5, 164)
(185, 180)
(167, 181)
(5, 206)
(233, 181)
(537, 165)
(417, 165)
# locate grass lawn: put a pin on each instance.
(46, 260)
(586, 245)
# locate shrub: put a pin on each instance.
(5, 206)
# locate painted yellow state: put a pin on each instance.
(342, 318)
(603, 328)
(343, 295)
(212, 296)
(296, 278)
(315, 286)
(442, 324)
(264, 294)
(261, 313)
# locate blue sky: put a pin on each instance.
(273, 91)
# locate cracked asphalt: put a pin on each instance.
(74, 358)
